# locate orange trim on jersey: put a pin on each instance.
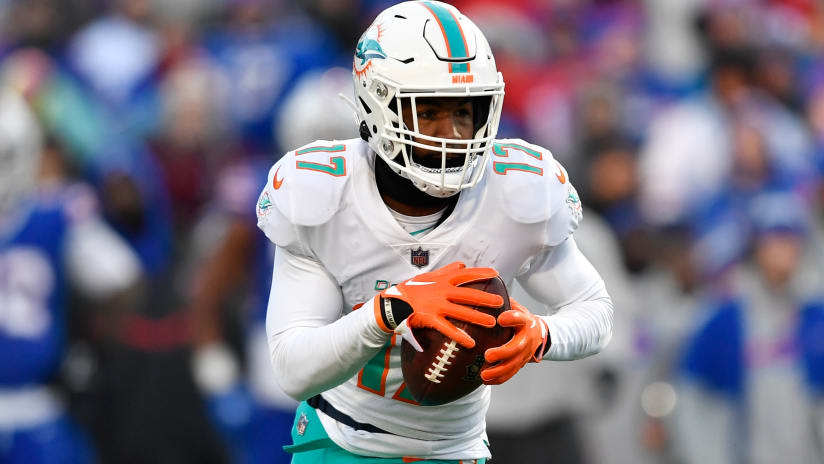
(561, 176)
(276, 183)
(361, 385)
(386, 365)
(397, 395)
(384, 373)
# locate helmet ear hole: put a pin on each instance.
(366, 108)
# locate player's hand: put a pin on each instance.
(528, 343)
(435, 296)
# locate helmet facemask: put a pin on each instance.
(459, 162)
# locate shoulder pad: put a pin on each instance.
(307, 184)
(534, 187)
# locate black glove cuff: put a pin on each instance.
(394, 311)
(542, 350)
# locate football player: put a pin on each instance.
(374, 236)
(51, 239)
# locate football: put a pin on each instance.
(446, 371)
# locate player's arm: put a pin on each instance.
(581, 324)
(581, 321)
(312, 347)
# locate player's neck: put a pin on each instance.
(402, 196)
(410, 210)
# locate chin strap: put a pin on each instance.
(403, 190)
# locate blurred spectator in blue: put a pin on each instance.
(118, 55)
(610, 187)
(193, 139)
(45, 24)
(343, 19)
(230, 288)
(776, 74)
(691, 149)
(815, 117)
(136, 203)
(68, 110)
(671, 293)
(98, 50)
(753, 369)
(265, 46)
(674, 52)
(52, 241)
(146, 392)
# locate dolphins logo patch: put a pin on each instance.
(368, 48)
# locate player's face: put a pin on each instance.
(445, 117)
(778, 257)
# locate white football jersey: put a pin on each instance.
(321, 202)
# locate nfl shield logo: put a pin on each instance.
(420, 257)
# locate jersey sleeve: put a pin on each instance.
(312, 347)
(277, 227)
(581, 311)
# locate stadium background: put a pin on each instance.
(693, 130)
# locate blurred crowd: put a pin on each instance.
(693, 130)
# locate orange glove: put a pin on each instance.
(528, 343)
(427, 299)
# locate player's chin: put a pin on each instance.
(433, 159)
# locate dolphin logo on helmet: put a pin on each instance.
(369, 47)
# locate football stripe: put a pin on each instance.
(453, 36)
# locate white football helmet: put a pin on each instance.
(426, 49)
(20, 148)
